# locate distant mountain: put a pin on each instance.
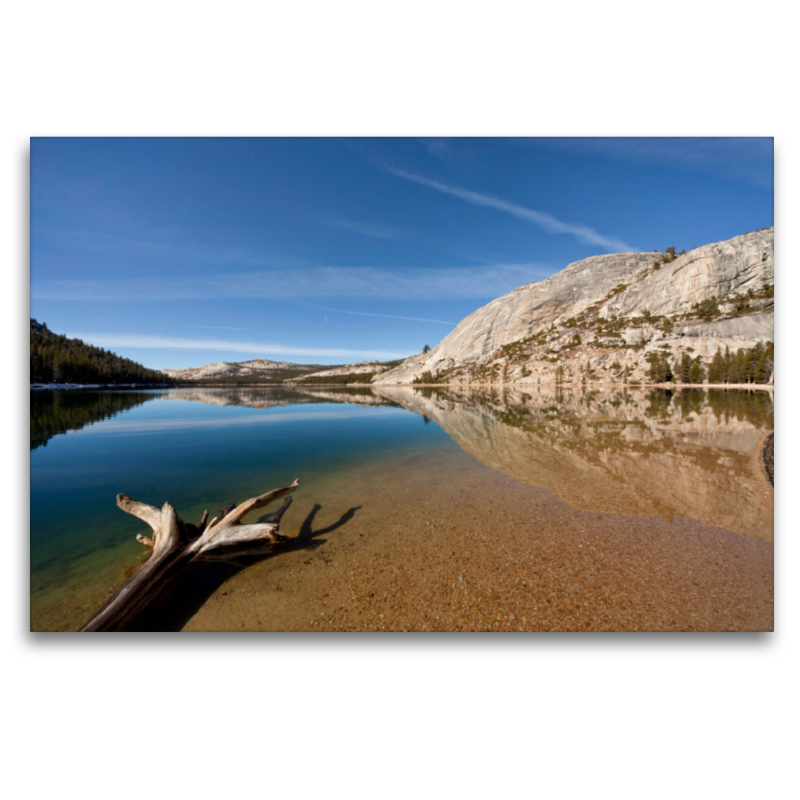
(362, 372)
(624, 317)
(261, 370)
(58, 359)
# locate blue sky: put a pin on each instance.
(181, 252)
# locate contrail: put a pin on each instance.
(545, 221)
(390, 316)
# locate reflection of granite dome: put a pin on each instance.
(625, 286)
(274, 397)
(252, 398)
(691, 454)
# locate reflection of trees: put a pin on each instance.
(625, 451)
(55, 412)
(753, 407)
(727, 405)
(58, 411)
(690, 401)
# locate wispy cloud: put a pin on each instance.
(376, 230)
(388, 316)
(545, 221)
(213, 327)
(172, 244)
(262, 349)
(478, 283)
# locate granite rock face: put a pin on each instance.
(361, 368)
(608, 287)
(257, 368)
(262, 369)
(525, 311)
(713, 271)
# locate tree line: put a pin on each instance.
(337, 380)
(744, 366)
(58, 359)
(754, 365)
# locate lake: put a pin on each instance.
(419, 508)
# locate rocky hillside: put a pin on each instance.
(608, 317)
(261, 370)
(257, 370)
(363, 367)
(362, 372)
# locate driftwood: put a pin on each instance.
(177, 544)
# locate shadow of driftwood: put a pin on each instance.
(200, 579)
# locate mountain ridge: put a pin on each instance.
(264, 370)
(606, 318)
(632, 304)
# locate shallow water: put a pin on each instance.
(367, 460)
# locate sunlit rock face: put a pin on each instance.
(712, 271)
(619, 452)
(525, 311)
(754, 327)
(624, 286)
(361, 368)
(258, 367)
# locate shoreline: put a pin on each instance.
(35, 386)
(767, 387)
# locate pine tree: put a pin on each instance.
(715, 368)
(55, 358)
(697, 373)
(685, 369)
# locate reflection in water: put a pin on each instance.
(55, 412)
(658, 453)
(272, 398)
(663, 452)
(58, 411)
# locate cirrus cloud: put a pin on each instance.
(541, 219)
(474, 283)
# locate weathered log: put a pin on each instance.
(176, 544)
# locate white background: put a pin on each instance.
(616, 716)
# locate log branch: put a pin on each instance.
(176, 544)
(148, 514)
(170, 535)
(234, 516)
